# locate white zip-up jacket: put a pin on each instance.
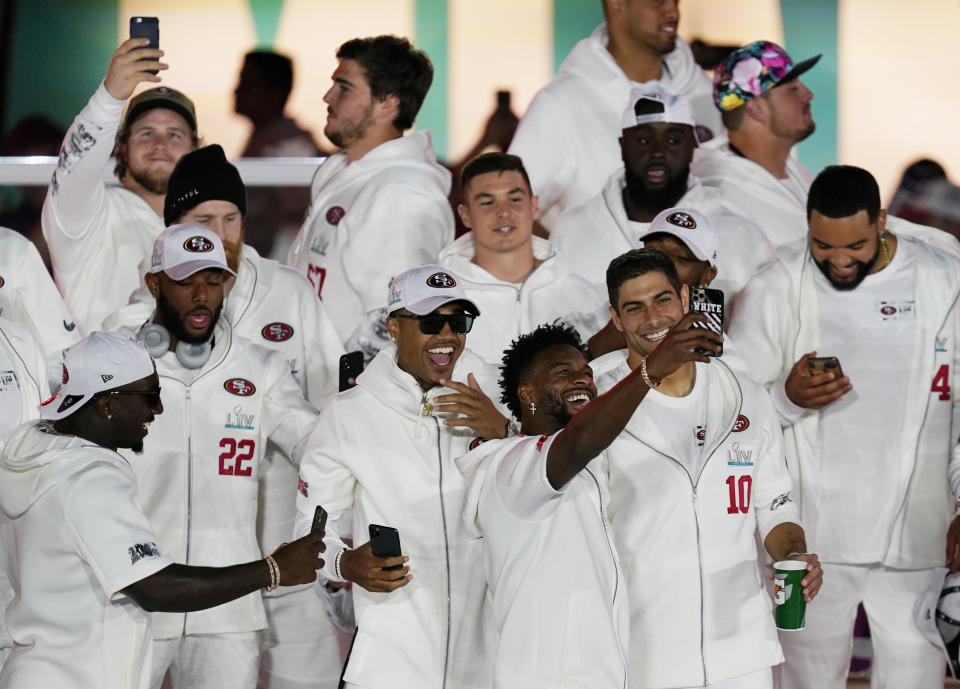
(699, 611)
(588, 237)
(754, 193)
(97, 233)
(23, 376)
(776, 323)
(28, 295)
(274, 306)
(558, 598)
(375, 450)
(568, 138)
(201, 463)
(507, 309)
(368, 222)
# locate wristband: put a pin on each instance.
(336, 565)
(274, 573)
(651, 382)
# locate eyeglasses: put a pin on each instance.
(431, 324)
(153, 396)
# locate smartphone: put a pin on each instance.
(503, 100)
(319, 519)
(822, 364)
(351, 366)
(709, 302)
(385, 542)
(147, 27)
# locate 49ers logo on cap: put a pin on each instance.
(277, 332)
(65, 377)
(742, 423)
(683, 220)
(240, 386)
(198, 245)
(441, 281)
(335, 215)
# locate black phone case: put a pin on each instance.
(385, 542)
(709, 302)
(351, 366)
(147, 27)
(319, 519)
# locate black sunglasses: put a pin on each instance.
(432, 323)
(153, 396)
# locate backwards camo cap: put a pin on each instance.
(99, 362)
(691, 227)
(182, 250)
(423, 290)
(675, 109)
(753, 70)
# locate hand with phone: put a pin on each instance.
(817, 385)
(132, 63)
(374, 573)
(685, 342)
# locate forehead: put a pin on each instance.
(160, 118)
(213, 207)
(497, 180)
(558, 354)
(351, 71)
(841, 231)
(643, 287)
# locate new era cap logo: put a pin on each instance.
(441, 281)
(198, 244)
(682, 220)
(106, 377)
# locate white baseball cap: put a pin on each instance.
(100, 361)
(425, 289)
(675, 108)
(691, 227)
(182, 250)
(937, 611)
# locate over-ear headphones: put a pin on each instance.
(157, 341)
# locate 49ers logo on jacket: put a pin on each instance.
(240, 386)
(277, 332)
(741, 425)
(335, 215)
(1, 281)
(684, 220)
(198, 245)
(441, 281)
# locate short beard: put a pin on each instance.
(661, 199)
(153, 184)
(137, 447)
(863, 269)
(352, 132)
(794, 135)
(554, 408)
(170, 319)
(233, 251)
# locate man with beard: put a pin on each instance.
(99, 234)
(274, 306)
(695, 478)
(380, 205)
(540, 500)
(85, 562)
(766, 109)
(567, 136)
(225, 398)
(386, 450)
(873, 450)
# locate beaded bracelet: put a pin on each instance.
(274, 573)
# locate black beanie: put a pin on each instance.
(202, 175)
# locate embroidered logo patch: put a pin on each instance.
(303, 488)
(1, 281)
(780, 501)
(66, 375)
(742, 424)
(139, 551)
(240, 386)
(441, 281)
(739, 457)
(476, 442)
(198, 245)
(683, 220)
(896, 310)
(335, 215)
(277, 332)
(701, 434)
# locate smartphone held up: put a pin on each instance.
(147, 27)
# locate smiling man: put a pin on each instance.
(509, 273)
(873, 450)
(380, 205)
(99, 234)
(697, 474)
(386, 450)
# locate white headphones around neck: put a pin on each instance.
(157, 341)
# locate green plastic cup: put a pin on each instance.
(788, 594)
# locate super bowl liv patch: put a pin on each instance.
(896, 310)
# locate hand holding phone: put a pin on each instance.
(385, 542)
(147, 27)
(825, 364)
(377, 565)
(805, 386)
(351, 366)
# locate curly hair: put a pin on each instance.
(519, 358)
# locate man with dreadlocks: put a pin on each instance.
(539, 500)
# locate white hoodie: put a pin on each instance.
(23, 376)
(568, 139)
(507, 309)
(80, 538)
(375, 450)
(369, 221)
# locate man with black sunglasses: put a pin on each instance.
(386, 450)
(86, 564)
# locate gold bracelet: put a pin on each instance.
(651, 382)
(274, 573)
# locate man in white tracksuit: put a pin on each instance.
(696, 475)
(28, 296)
(766, 109)
(540, 503)
(98, 234)
(383, 449)
(567, 138)
(657, 144)
(274, 306)
(380, 205)
(84, 560)
(511, 275)
(869, 450)
(225, 397)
